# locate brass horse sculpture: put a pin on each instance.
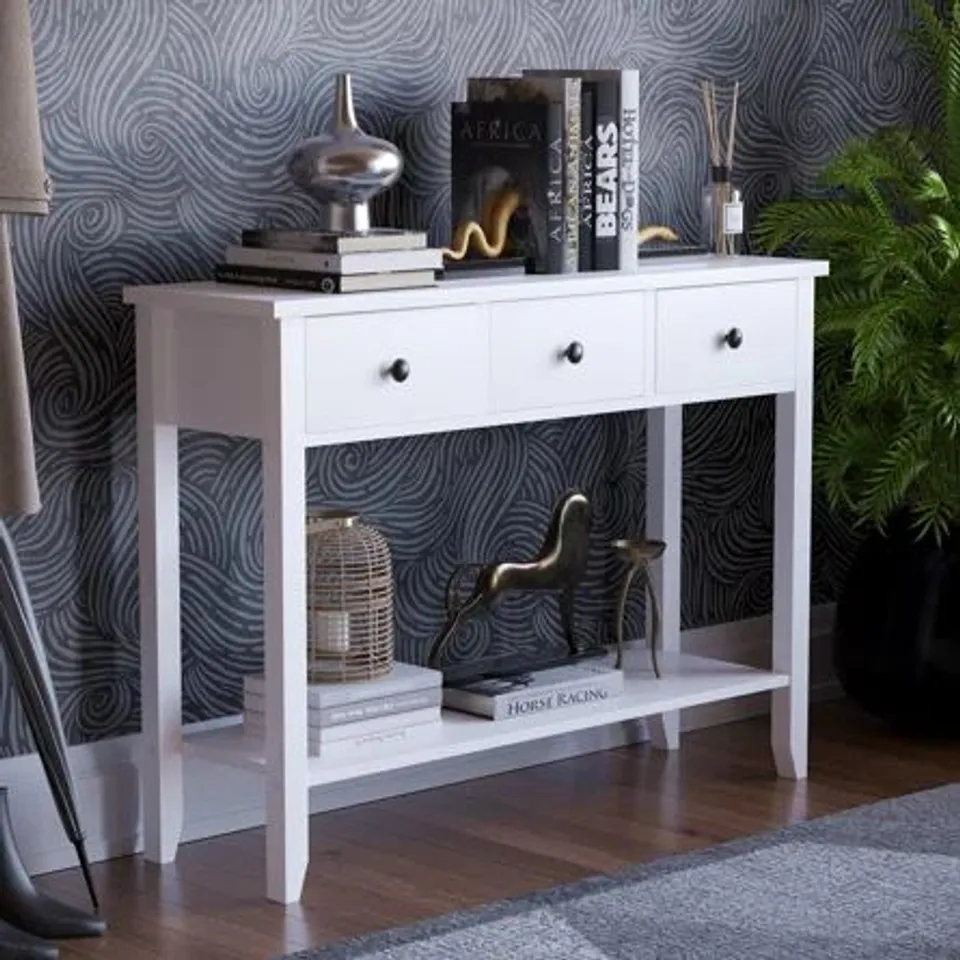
(559, 565)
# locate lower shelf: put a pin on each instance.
(687, 681)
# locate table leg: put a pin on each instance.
(161, 762)
(664, 499)
(285, 602)
(791, 556)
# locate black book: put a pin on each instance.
(321, 282)
(510, 148)
(606, 175)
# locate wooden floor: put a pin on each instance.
(427, 854)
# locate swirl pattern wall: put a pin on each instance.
(167, 124)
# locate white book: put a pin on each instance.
(629, 168)
(361, 710)
(346, 264)
(403, 678)
(356, 746)
(335, 241)
(558, 688)
(346, 731)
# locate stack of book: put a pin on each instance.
(399, 709)
(567, 143)
(329, 262)
(554, 690)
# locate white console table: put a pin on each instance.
(302, 370)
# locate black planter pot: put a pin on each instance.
(897, 639)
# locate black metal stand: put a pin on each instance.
(21, 643)
(15, 945)
(24, 907)
(28, 918)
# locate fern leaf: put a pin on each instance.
(949, 236)
(930, 38)
(947, 410)
(933, 187)
(951, 347)
(857, 169)
(890, 479)
(951, 87)
(795, 223)
(875, 338)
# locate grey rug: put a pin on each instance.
(880, 882)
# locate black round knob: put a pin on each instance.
(733, 338)
(399, 370)
(574, 353)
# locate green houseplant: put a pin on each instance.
(888, 317)
(887, 431)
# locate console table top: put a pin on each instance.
(658, 273)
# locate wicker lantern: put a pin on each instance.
(349, 599)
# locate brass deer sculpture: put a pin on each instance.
(559, 565)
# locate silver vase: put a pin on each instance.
(346, 168)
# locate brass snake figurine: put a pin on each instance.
(490, 236)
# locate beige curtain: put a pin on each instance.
(18, 475)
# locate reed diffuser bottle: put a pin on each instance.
(722, 201)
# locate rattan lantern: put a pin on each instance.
(349, 599)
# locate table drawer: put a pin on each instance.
(567, 351)
(726, 337)
(442, 350)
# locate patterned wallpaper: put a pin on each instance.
(167, 124)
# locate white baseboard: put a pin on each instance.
(222, 800)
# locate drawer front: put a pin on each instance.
(567, 351)
(726, 337)
(356, 365)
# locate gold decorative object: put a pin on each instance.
(559, 565)
(639, 554)
(490, 236)
(349, 599)
(656, 232)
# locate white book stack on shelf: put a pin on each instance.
(401, 708)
